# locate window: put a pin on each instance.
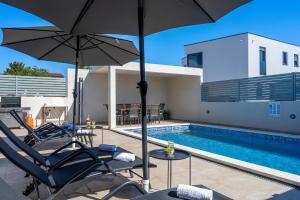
(195, 60)
(274, 109)
(296, 60)
(284, 58)
(262, 61)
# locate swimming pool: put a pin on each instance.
(269, 150)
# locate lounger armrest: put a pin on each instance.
(45, 126)
(71, 156)
(34, 134)
(110, 169)
(53, 133)
(49, 130)
(82, 146)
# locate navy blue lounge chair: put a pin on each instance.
(43, 133)
(57, 156)
(59, 175)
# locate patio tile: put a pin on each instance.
(231, 182)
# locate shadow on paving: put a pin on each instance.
(293, 194)
(90, 188)
(95, 188)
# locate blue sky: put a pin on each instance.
(279, 19)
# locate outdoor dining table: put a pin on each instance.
(123, 109)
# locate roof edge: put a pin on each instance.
(238, 34)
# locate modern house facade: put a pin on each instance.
(176, 87)
(180, 88)
(242, 56)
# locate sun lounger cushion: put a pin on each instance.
(108, 147)
(70, 127)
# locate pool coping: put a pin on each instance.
(245, 166)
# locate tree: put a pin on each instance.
(19, 68)
(15, 68)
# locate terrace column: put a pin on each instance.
(111, 97)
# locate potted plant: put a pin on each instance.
(170, 149)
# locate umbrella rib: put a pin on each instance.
(30, 40)
(136, 54)
(70, 46)
(91, 47)
(203, 10)
(32, 29)
(102, 50)
(110, 37)
(51, 50)
(87, 41)
(82, 13)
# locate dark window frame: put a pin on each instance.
(194, 54)
(285, 58)
(264, 71)
(296, 60)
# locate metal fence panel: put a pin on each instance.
(32, 86)
(283, 87)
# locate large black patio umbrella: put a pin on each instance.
(129, 17)
(52, 44)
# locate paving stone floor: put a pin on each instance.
(230, 182)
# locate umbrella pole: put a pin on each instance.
(75, 93)
(143, 85)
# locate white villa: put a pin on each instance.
(242, 56)
(179, 88)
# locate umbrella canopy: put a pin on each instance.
(115, 16)
(52, 44)
(130, 17)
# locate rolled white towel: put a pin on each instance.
(127, 157)
(193, 193)
(83, 131)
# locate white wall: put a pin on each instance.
(238, 57)
(128, 93)
(251, 114)
(184, 97)
(184, 102)
(274, 51)
(36, 103)
(223, 59)
(95, 94)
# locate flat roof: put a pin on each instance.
(238, 34)
(152, 69)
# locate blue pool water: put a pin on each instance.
(273, 151)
